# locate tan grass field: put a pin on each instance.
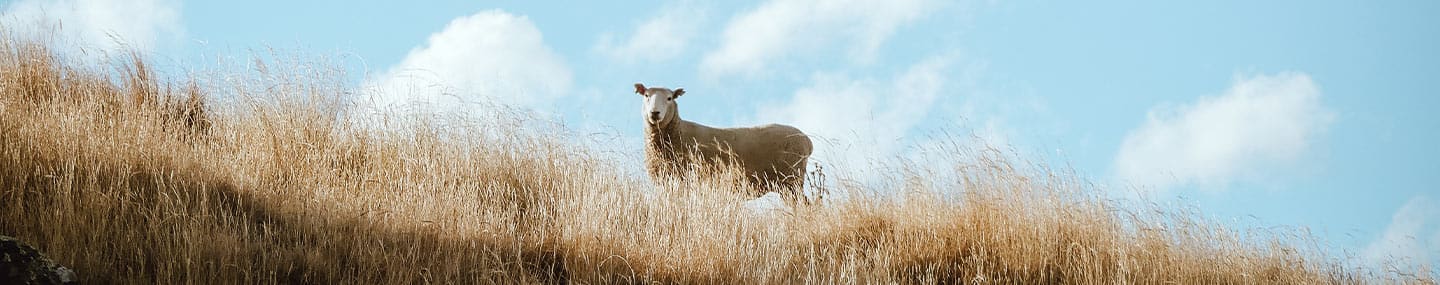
(266, 174)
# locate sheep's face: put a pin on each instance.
(659, 107)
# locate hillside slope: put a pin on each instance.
(267, 175)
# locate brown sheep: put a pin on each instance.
(773, 156)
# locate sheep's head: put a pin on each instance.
(659, 107)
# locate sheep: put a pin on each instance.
(772, 156)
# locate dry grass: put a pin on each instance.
(267, 175)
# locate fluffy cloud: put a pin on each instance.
(1412, 238)
(857, 120)
(1260, 120)
(779, 28)
(140, 24)
(661, 38)
(489, 56)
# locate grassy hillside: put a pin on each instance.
(266, 175)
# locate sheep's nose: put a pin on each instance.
(654, 115)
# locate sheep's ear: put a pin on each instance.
(639, 88)
(679, 91)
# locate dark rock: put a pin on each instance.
(23, 264)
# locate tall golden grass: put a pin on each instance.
(269, 174)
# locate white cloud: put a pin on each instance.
(779, 28)
(661, 38)
(1260, 121)
(141, 24)
(865, 119)
(489, 56)
(1405, 239)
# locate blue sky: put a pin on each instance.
(1305, 113)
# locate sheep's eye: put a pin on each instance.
(670, 98)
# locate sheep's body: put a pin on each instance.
(773, 156)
